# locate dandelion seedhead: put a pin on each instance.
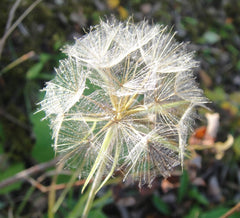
(123, 99)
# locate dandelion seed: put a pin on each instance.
(137, 116)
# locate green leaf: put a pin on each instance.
(105, 199)
(194, 212)
(96, 213)
(218, 94)
(218, 212)
(96, 206)
(12, 170)
(191, 20)
(42, 150)
(34, 71)
(160, 205)
(44, 57)
(236, 146)
(238, 65)
(182, 190)
(233, 50)
(79, 207)
(63, 178)
(195, 194)
(45, 76)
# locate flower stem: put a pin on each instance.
(101, 163)
(94, 187)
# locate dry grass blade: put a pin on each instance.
(15, 24)
(17, 62)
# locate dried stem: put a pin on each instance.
(23, 175)
(236, 208)
(18, 61)
(45, 189)
(16, 23)
(12, 14)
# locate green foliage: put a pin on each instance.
(97, 206)
(63, 178)
(42, 151)
(196, 195)
(194, 212)
(238, 65)
(236, 146)
(96, 213)
(197, 212)
(185, 190)
(184, 183)
(2, 138)
(36, 71)
(160, 205)
(11, 171)
(190, 20)
(216, 95)
(25, 200)
(218, 212)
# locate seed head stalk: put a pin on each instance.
(100, 165)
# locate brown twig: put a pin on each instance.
(16, 23)
(18, 61)
(12, 14)
(27, 173)
(235, 209)
(45, 189)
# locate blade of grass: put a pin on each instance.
(24, 201)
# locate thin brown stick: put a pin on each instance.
(12, 14)
(45, 189)
(26, 173)
(18, 61)
(16, 23)
(235, 209)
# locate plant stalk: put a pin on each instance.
(96, 182)
(99, 173)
